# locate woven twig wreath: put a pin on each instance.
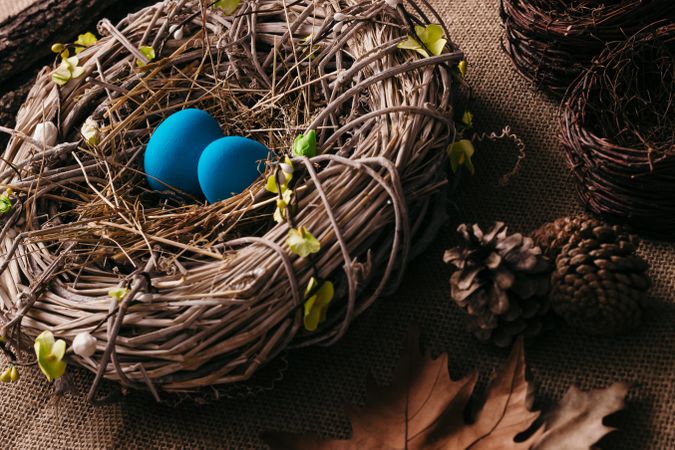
(552, 42)
(213, 291)
(618, 130)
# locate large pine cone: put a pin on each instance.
(501, 280)
(599, 282)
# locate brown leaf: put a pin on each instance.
(505, 414)
(576, 424)
(424, 409)
(394, 415)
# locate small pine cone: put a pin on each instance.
(599, 282)
(502, 281)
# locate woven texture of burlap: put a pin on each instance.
(320, 381)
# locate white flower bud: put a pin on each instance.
(46, 133)
(84, 344)
(178, 34)
(90, 131)
(177, 31)
(339, 17)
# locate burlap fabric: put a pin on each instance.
(319, 380)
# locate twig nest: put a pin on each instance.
(552, 42)
(203, 295)
(617, 129)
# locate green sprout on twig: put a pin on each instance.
(6, 201)
(227, 6)
(149, 54)
(467, 119)
(10, 375)
(318, 298)
(460, 154)
(83, 41)
(50, 353)
(69, 67)
(280, 187)
(305, 144)
(302, 242)
(429, 39)
(462, 66)
(118, 293)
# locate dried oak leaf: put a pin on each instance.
(424, 409)
(576, 424)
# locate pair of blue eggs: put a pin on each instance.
(188, 152)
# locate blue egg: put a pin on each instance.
(229, 165)
(172, 155)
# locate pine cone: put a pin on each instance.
(599, 282)
(501, 280)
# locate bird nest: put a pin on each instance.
(210, 293)
(551, 42)
(618, 129)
